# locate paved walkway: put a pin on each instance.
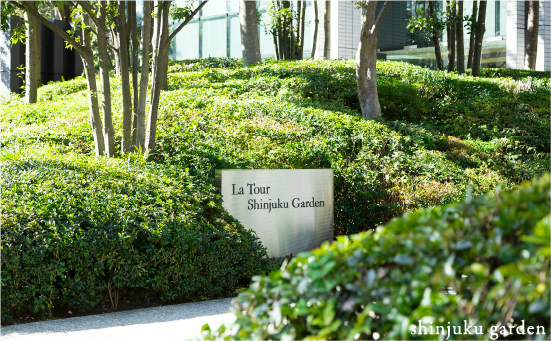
(174, 322)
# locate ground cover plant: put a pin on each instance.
(482, 263)
(441, 136)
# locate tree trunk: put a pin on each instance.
(471, 38)
(93, 107)
(460, 40)
(435, 40)
(250, 44)
(32, 47)
(292, 44)
(108, 132)
(115, 42)
(278, 35)
(296, 45)
(316, 25)
(327, 30)
(144, 78)
(135, 49)
(366, 59)
(163, 81)
(274, 35)
(117, 61)
(302, 23)
(63, 11)
(287, 33)
(37, 55)
(532, 35)
(125, 79)
(451, 36)
(282, 40)
(135, 89)
(159, 59)
(480, 29)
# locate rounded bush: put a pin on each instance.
(78, 231)
(484, 261)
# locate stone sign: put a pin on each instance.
(291, 210)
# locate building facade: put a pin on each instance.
(215, 33)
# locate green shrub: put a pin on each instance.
(511, 73)
(73, 227)
(203, 63)
(484, 260)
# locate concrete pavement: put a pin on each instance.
(174, 322)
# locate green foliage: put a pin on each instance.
(440, 133)
(74, 226)
(303, 115)
(428, 25)
(204, 63)
(516, 74)
(484, 260)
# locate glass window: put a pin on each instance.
(266, 40)
(186, 42)
(262, 4)
(216, 7)
(214, 38)
(233, 5)
(235, 38)
(490, 23)
(139, 12)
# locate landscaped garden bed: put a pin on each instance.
(76, 228)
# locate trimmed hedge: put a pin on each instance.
(73, 226)
(484, 260)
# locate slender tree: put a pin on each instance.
(250, 44)
(135, 80)
(295, 47)
(32, 57)
(121, 28)
(429, 23)
(480, 29)
(288, 34)
(450, 9)
(327, 29)
(532, 35)
(435, 35)
(471, 35)
(300, 33)
(366, 58)
(159, 45)
(460, 39)
(108, 132)
(87, 57)
(139, 133)
(94, 18)
(163, 65)
(161, 42)
(84, 49)
(316, 25)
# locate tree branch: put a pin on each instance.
(90, 12)
(188, 19)
(96, 33)
(377, 23)
(50, 25)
